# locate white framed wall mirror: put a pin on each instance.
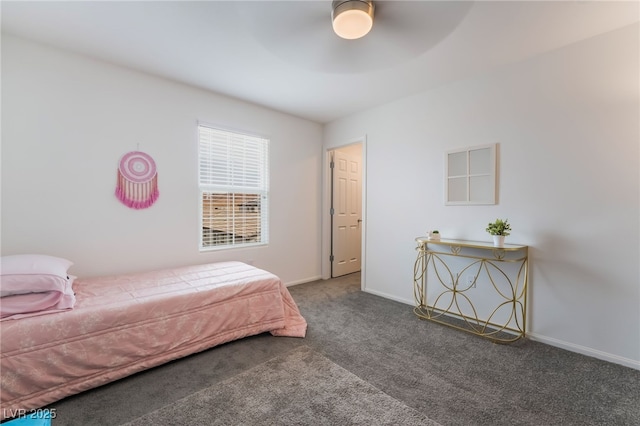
(470, 175)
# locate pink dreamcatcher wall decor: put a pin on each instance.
(137, 185)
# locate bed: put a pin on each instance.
(121, 325)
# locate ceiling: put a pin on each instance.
(285, 56)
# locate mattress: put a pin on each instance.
(124, 324)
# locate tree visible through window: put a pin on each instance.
(234, 188)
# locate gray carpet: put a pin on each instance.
(298, 387)
(449, 376)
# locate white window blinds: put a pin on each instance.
(234, 188)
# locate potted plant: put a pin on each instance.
(434, 235)
(499, 229)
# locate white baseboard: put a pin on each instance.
(605, 356)
(303, 281)
(389, 296)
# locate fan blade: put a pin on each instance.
(301, 32)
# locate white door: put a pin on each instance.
(346, 214)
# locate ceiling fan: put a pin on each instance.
(301, 32)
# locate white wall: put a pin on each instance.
(67, 120)
(567, 125)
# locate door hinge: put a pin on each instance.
(331, 211)
(331, 258)
(332, 164)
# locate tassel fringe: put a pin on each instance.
(137, 195)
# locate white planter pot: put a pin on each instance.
(498, 240)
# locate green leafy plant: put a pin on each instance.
(436, 232)
(499, 227)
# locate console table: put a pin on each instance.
(487, 296)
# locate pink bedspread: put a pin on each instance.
(124, 324)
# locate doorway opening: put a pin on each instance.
(344, 198)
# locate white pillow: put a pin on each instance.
(33, 273)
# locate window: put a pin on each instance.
(234, 188)
(470, 176)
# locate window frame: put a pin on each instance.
(470, 179)
(250, 184)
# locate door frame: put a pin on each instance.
(326, 205)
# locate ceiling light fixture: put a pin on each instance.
(352, 19)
